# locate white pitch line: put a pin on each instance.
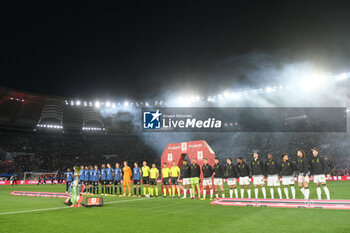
(64, 207)
(36, 210)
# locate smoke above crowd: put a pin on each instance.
(251, 80)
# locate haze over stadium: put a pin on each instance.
(78, 80)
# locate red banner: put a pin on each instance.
(9, 182)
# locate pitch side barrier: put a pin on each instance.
(286, 203)
(21, 182)
(40, 194)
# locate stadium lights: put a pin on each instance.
(49, 126)
(93, 129)
(342, 76)
(269, 89)
(97, 104)
(312, 81)
(234, 96)
(308, 82)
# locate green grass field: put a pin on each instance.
(163, 214)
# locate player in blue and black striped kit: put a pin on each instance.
(69, 179)
(87, 179)
(82, 175)
(137, 176)
(117, 179)
(90, 180)
(95, 178)
(109, 178)
(103, 179)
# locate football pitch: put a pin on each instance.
(124, 214)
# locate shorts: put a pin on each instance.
(174, 181)
(301, 176)
(207, 181)
(95, 183)
(82, 182)
(109, 182)
(166, 181)
(244, 180)
(231, 181)
(116, 182)
(258, 180)
(194, 180)
(153, 181)
(103, 182)
(273, 180)
(217, 181)
(186, 181)
(319, 179)
(137, 182)
(287, 180)
(145, 180)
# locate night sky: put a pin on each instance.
(140, 50)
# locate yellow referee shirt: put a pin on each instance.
(166, 172)
(145, 171)
(174, 171)
(153, 173)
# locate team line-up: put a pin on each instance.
(112, 179)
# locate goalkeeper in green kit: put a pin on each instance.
(195, 174)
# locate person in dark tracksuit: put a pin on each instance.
(272, 171)
(186, 178)
(243, 172)
(287, 173)
(319, 170)
(195, 174)
(303, 169)
(207, 171)
(218, 175)
(258, 171)
(232, 175)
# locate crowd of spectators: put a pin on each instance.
(31, 152)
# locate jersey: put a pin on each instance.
(91, 174)
(109, 175)
(82, 175)
(166, 172)
(95, 175)
(153, 173)
(69, 176)
(103, 173)
(87, 175)
(174, 171)
(137, 173)
(145, 171)
(118, 174)
(127, 173)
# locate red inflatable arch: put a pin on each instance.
(193, 149)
